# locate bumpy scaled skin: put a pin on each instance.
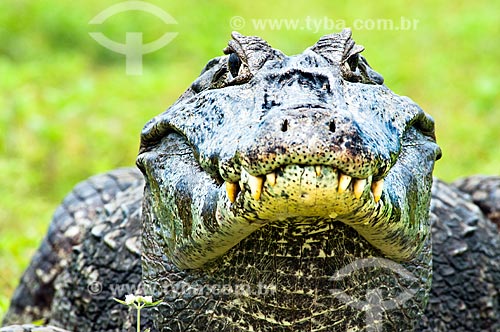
(99, 222)
(466, 273)
(485, 192)
(281, 194)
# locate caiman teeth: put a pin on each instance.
(359, 187)
(232, 190)
(254, 182)
(317, 168)
(377, 188)
(344, 181)
(271, 179)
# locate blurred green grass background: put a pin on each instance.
(68, 110)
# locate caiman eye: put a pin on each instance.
(357, 70)
(352, 62)
(234, 64)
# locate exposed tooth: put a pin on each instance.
(271, 178)
(377, 188)
(318, 170)
(255, 183)
(232, 190)
(344, 181)
(359, 187)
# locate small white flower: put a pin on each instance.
(144, 299)
(130, 298)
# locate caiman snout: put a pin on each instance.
(317, 140)
(312, 135)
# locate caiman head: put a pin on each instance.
(261, 138)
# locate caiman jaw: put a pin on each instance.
(256, 184)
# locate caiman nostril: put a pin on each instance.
(331, 126)
(284, 126)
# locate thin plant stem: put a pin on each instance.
(138, 320)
